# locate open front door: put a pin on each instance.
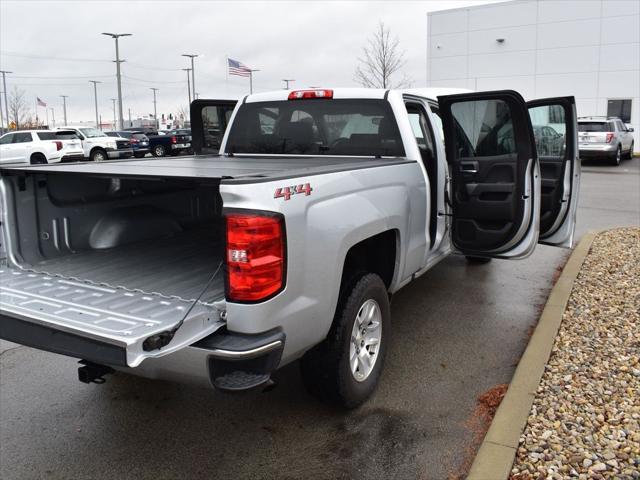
(555, 130)
(209, 119)
(494, 173)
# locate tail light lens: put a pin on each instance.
(174, 139)
(609, 137)
(133, 140)
(255, 256)
(58, 145)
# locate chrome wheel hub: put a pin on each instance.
(365, 340)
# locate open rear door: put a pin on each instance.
(555, 130)
(494, 173)
(209, 119)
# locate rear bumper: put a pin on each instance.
(226, 360)
(597, 150)
(73, 158)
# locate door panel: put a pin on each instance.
(555, 131)
(495, 183)
(209, 120)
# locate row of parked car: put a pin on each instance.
(69, 144)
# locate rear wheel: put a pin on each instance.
(98, 155)
(159, 151)
(38, 159)
(346, 367)
(617, 157)
(630, 154)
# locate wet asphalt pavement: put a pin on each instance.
(458, 331)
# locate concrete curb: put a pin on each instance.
(494, 459)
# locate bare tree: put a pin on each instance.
(18, 110)
(382, 58)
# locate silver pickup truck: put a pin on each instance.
(288, 244)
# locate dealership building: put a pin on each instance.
(543, 48)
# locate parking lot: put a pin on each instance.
(458, 331)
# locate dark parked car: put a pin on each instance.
(139, 141)
(171, 143)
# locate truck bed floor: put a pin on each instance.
(176, 266)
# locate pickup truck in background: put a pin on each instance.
(286, 246)
(98, 146)
(170, 143)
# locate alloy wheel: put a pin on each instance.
(366, 336)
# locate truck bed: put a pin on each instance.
(238, 168)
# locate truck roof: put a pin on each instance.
(371, 93)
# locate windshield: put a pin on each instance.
(92, 132)
(316, 127)
(593, 127)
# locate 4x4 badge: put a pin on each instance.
(287, 192)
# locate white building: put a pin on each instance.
(543, 48)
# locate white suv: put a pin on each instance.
(98, 146)
(40, 146)
(605, 137)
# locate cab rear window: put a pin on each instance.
(316, 127)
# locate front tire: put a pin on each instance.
(98, 155)
(346, 367)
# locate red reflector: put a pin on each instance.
(255, 256)
(609, 137)
(133, 140)
(58, 145)
(306, 94)
(174, 139)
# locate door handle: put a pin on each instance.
(469, 167)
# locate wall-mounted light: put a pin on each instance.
(500, 40)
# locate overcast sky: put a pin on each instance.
(54, 47)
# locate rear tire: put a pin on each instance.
(159, 151)
(38, 159)
(477, 260)
(345, 368)
(615, 161)
(630, 154)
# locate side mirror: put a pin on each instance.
(629, 129)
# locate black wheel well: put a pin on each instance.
(38, 155)
(375, 254)
(97, 148)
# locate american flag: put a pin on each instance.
(238, 68)
(40, 102)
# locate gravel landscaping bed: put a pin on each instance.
(585, 420)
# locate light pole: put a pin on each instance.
(155, 110)
(1, 116)
(64, 108)
(251, 70)
(115, 36)
(286, 81)
(4, 87)
(95, 100)
(53, 117)
(193, 72)
(115, 127)
(188, 84)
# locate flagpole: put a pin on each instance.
(36, 112)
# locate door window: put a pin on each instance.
(22, 137)
(7, 139)
(549, 125)
(485, 128)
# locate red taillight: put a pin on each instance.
(133, 140)
(307, 94)
(58, 145)
(174, 139)
(255, 256)
(609, 137)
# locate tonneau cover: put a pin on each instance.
(253, 168)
